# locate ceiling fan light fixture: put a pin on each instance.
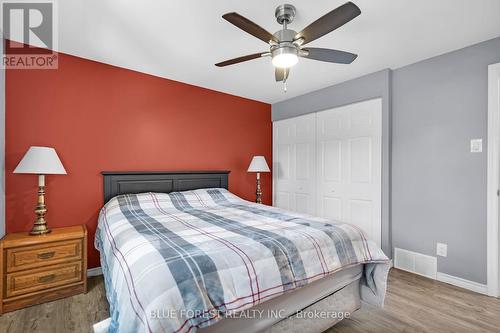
(285, 60)
(284, 57)
(285, 45)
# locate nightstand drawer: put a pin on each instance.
(42, 255)
(20, 283)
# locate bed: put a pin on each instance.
(180, 253)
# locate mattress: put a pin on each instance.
(268, 315)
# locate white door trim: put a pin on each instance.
(493, 179)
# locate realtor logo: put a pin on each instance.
(29, 30)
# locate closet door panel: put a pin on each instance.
(282, 165)
(294, 161)
(349, 165)
(329, 164)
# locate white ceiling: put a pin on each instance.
(182, 39)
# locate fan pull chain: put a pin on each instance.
(284, 79)
(284, 70)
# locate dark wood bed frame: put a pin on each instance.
(129, 182)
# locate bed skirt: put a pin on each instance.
(315, 318)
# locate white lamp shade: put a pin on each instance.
(41, 161)
(258, 164)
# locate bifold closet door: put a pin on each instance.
(349, 155)
(294, 163)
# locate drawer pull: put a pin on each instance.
(46, 255)
(46, 278)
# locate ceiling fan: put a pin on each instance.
(286, 45)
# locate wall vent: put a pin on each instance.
(414, 262)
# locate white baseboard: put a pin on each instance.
(462, 283)
(94, 271)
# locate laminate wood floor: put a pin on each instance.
(413, 304)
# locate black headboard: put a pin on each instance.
(123, 182)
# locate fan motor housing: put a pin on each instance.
(284, 48)
(284, 13)
(285, 35)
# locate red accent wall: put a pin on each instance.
(100, 117)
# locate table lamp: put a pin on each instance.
(258, 165)
(41, 161)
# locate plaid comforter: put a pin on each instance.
(176, 262)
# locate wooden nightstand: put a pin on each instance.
(38, 269)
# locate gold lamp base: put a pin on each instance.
(40, 226)
(34, 232)
(39, 230)
(258, 192)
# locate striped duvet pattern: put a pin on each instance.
(180, 261)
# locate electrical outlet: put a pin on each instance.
(441, 249)
(476, 145)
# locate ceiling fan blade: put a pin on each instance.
(240, 59)
(250, 27)
(328, 55)
(329, 22)
(281, 74)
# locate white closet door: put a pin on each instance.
(349, 164)
(294, 163)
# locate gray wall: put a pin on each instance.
(438, 186)
(364, 88)
(2, 147)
